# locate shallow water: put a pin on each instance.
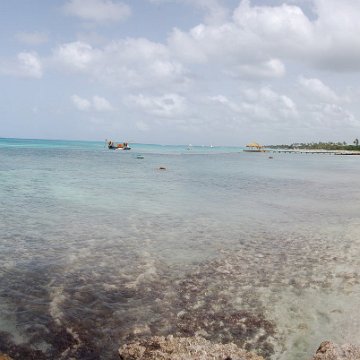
(98, 247)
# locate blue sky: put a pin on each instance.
(180, 71)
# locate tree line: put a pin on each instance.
(320, 146)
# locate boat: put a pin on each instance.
(254, 147)
(117, 146)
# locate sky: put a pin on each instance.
(220, 72)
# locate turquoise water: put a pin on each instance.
(98, 248)
(137, 148)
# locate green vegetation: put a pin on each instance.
(320, 146)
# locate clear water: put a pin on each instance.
(98, 248)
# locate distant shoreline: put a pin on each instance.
(313, 151)
(340, 146)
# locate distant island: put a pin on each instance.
(319, 146)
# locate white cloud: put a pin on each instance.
(257, 34)
(140, 63)
(29, 64)
(101, 104)
(330, 116)
(260, 105)
(277, 106)
(81, 103)
(254, 43)
(280, 26)
(223, 100)
(337, 29)
(257, 42)
(272, 68)
(315, 87)
(235, 50)
(32, 38)
(125, 63)
(186, 48)
(26, 64)
(329, 40)
(224, 43)
(97, 103)
(98, 10)
(168, 105)
(75, 55)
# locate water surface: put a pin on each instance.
(98, 248)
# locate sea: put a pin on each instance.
(99, 248)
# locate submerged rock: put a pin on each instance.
(331, 351)
(4, 357)
(181, 348)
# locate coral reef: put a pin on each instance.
(330, 351)
(197, 348)
(180, 348)
(4, 357)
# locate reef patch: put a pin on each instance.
(180, 348)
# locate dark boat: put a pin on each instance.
(117, 146)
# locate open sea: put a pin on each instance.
(98, 248)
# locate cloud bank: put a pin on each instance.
(253, 66)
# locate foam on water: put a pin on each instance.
(98, 248)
